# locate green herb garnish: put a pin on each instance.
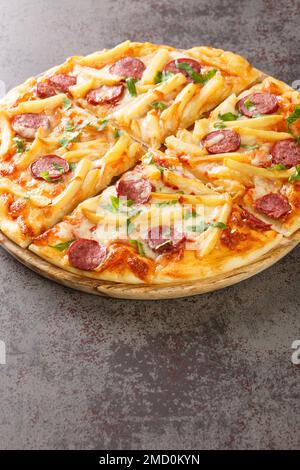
(148, 159)
(293, 118)
(202, 226)
(68, 137)
(72, 165)
(21, 144)
(100, 125)
(228, 117)
(159, 105)
(249, 147)
(162, 77)
(166, 203)
(220, 225)
(62, 246)
(118, 133)
(69, 126)
(66, 103)
(296, 175)
(279, 166)
(139, 246)
(195, 76)
(249, 105)
(219, 125)
(45, 176)
(130, 82)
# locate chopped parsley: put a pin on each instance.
(100, 125)
(72, 165)
(139, 246)
(66, 103)
(45, 176)
(279, 166)
(250, 147)
(117, 204)
(148, 159)
(159, 105)
(68, 138)
(219, 125)
(166, 203)
(228, 117)
(58, 167)
(195, 76)
(69, 127)
(249, 105)
(162, 77)
(21, 144)
(118, 133)
(293, 118)
(220, 225)
(296, 175)
(202, 226)
(130, 82)
(62, 246)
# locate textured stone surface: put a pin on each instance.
(212, 371)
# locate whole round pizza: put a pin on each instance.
(146, 164)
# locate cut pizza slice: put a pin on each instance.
(252, 153)
(51, 158)
(149, 90)
(157, 224)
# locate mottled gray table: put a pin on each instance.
(212, 371)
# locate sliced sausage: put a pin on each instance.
(286, 152)
(128, 67)
(86, 254)
(45, 90)
(172, 67)
(105, 94)
(273, 205)
(263, 103)
(135, 187)
(164, 239)
(222, 141)
(253, 221)
(49, 168)
(26, 125)
(62, 82)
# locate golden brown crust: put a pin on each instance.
(220, 250)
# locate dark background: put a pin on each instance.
(211, 371)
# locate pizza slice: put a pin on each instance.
(157, 224)
(51, 158)
(250, 147)
(149, 90)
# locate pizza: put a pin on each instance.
(145, 164)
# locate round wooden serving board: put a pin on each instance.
(146, 292)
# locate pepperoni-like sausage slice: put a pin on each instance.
(86, 254)
(128, 67)
(172, 67)
(45, 90)
(26, 125)
(253, 221)
(222, 141)
(164, 239)
(259, 103)
(273, 205)
(135, 187)
(62, 81)
(49, 168)
(286, 152)
(105, 94)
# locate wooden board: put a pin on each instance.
(146, 292)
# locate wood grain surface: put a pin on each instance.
(146, 292)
